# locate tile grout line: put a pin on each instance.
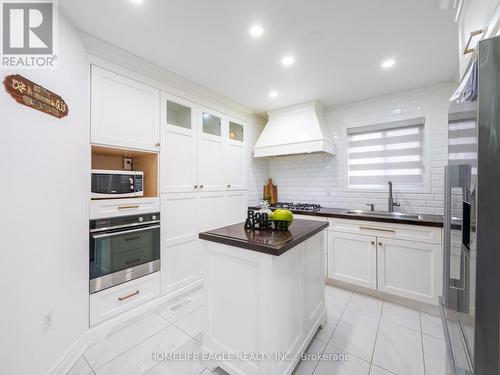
(88, 364)
(422, 341)
(129, 349)
(330, 339)
(376, 336)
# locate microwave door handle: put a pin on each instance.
(103, 235)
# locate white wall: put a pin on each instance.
(44, 221)
(323, 179)
(258, 168)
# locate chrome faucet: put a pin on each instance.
(391, 204)
(372, 206)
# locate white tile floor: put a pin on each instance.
(381, 338)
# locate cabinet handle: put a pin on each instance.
(201, 186)
(128, 296)
(196, 186)
(158, 144)
(380, 244)
(468, 50)
(373, 242)
(376, 228)
(228, 185)
(128, 207)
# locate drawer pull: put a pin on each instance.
(380, 244)
(128, 207)
(373, 242)
(468, 50)
(128, 296)
(379, 229)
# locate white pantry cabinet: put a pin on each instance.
(183, 217)
(180, 258)
(409, 269)
(236, 156)
(202, 150)
(178, 138)
(124, 112)
(353, 258)
(211, 151)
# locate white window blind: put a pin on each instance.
(462, 139)
(387, 152)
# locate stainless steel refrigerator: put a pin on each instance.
(471, 289)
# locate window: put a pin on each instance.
(387, 152)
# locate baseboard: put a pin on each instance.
(102, 330)
(417, 305)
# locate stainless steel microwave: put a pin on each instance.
(116, 184)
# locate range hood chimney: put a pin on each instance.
(297, 129)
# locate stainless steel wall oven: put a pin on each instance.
(122, 249)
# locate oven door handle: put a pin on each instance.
(97, 236)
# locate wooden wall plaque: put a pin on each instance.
(35, 96)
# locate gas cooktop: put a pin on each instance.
(297, 206)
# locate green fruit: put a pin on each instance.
(282, 215)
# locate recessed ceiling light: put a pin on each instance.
(273, 94)
(388, 63)
(256, 31)
(136, 1)
(288, 60)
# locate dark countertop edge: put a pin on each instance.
(266, 249)
(339, 215)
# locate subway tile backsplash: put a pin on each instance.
(322, 178)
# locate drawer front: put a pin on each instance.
(310, 217)
(113, 301)
(104, 208)
(388, 230)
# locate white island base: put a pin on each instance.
(260, 304)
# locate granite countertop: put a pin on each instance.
(271, 242)
(427, 220)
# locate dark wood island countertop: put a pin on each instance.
(265, 241)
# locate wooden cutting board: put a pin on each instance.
(271, 192)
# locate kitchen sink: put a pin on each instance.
(395, 215)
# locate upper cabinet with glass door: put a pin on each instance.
(178, 138)
(235, 156)
(211, 151)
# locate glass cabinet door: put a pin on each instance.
(211, 124)
(235, 131)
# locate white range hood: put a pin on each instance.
(297, 129)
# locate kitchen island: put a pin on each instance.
(264, 295)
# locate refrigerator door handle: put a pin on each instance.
(460, 284)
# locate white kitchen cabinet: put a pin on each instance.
(235, 156)
(180, 258)
(103, 208)
(325, 238)
(183, 217)
(211, 151)
(113, 301)
(179, 152)
(352, 258)
(410, 269)
(211, 210)
(235, 207)
(124, 112)
(202, 150)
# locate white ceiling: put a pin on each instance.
(338, 45)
